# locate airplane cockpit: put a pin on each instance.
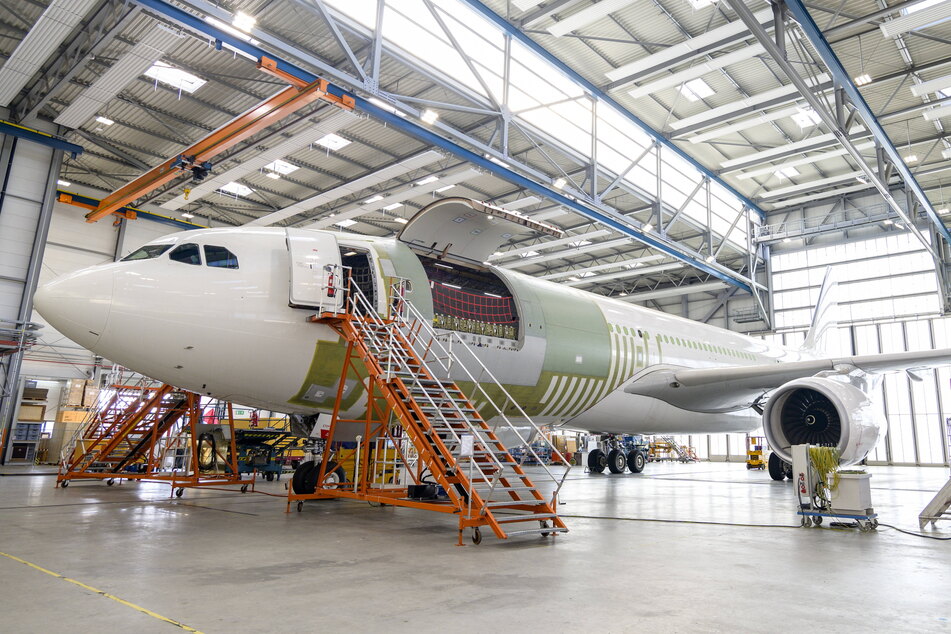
(188, 253)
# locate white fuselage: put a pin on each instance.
(230, 333)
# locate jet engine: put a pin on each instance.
(823, 411)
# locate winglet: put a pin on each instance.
(825, 318)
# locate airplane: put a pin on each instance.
(224, 312)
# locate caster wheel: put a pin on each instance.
(300, 507)
(805, 521)
(64, 483)
(179, 492)
(817, 520)
(476, 536)
(544, 524)
(875, 524)
(110, 482)
(244, 488)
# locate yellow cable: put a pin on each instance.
(103, 593)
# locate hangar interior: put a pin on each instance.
(707, 160)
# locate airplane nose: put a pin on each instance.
(77, 304)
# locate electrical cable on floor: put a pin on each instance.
(913, 533)
(663, 521)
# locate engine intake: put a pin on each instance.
(823, 411)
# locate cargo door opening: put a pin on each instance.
(471, 300)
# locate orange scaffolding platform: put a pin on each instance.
(155, 434)
(420, 442)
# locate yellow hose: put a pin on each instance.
(826, 462)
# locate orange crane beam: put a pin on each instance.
(196, 157)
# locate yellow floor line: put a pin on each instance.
(103, 593)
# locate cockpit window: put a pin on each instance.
(147, 252)
(220, 257)
(187, 253)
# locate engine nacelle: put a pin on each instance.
(823, 411)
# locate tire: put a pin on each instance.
(244, 488)
(476, 536)
(636, 461)
(776, 469)
(269, 476)
(305, 476)
(179, 492)
(787, 469)
(617, 462)
(597, 461)
(817, 520)
(64, 483)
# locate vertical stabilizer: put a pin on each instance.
(826, 316)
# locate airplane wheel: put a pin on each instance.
(597, 461)
(776, 470)
(636, 461)
(305, 476)
(616, 461)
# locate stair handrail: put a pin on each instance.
(398, 289)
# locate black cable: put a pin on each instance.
(907, 532)
(662, 521)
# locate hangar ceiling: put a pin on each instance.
(589, 101)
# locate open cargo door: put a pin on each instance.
(466, 231)
(315, 275)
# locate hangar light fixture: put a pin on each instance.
(699, 4)
(243, 22)
(281, 167)
(943, 210)
(429, 116)
(862, 79)
(63, 183)
(174, 77)
(392, 206)
(188, 216)
(373, 199)
(228, 28)
(345, 222)
(333, 141)
(104, 120)
(911, 158)
(379, 103)
(236, 188)
(559, 183)
(426, 181)
(446, 188)
(787, 172)
(696, 89)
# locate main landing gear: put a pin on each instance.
(778, 468)
(616, 459)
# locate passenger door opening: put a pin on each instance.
(359, 265)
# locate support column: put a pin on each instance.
(27, 193)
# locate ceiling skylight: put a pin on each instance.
(696, 89)
(236, 188)
(333, 141)
(806, 118)
(174, 77)
(281, 167)
(346, 222)
(787, 172)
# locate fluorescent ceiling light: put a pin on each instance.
(698, 70)
(943, 210)
(586, 16)
(188, 216)
(787, 239)
(243, 21)
(41, 40)
(392, 206)
(174, 77)
(914, 20)
(236, 188)
(496, 160)
(346, 222)
(888, 221)
(696, 89)
(104, 120)
(281, 167)
(227, 28)
(442, 189)
(559, 183)
(863, 79)
(333, 141)
(699, 4)
(389, 108)
(647, 228)
(63, 183)
(373, 199)
(429, 116)
(806, 118)
(427, 180)
(911, 158)
(787, 172)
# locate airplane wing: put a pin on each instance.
(734, 388)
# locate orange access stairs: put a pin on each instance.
(409, 365)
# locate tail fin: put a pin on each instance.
(825, 319)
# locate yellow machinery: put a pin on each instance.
(754, 452)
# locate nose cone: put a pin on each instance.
(78, 304)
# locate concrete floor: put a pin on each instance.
(226, 562)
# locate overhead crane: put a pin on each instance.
(197, 157)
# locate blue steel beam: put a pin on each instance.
(43, 138)
(618, 222)
(88, 202)
(842, 78)
(539, 50)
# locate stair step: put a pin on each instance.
(508, 519)
(508, 503)
(536, 531)
(515, 489)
